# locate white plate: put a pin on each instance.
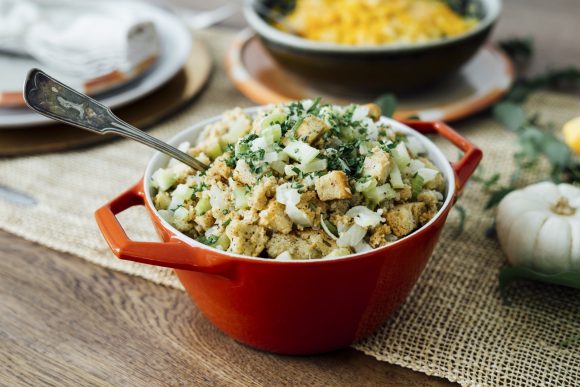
(176, 43)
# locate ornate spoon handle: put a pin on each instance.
(59, 102)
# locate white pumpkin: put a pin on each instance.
(539, 227)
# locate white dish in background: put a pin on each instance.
(176, 41)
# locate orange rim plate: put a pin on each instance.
(481, 82)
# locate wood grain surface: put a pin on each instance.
(64, 321)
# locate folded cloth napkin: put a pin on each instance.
(86, 39)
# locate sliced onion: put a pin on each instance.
(340, 252)
(364, 217)
(360, 113)
(415, 145)
(217, 197)
(362, 247)
(414, 166)
(290, 197)
(284, 256)
(297, 216)
(352, 236)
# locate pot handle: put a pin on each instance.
(174, 254)
(466, 165)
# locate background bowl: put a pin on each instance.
(291, 307)
(397, 68)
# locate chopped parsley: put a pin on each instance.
(208, 240)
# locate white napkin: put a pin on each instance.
(88, 39)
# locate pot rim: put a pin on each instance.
(191, 133)
(492, 11)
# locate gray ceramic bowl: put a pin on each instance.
(399, 68)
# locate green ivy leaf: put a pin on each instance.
(462, 216)
(510, 114)
(520, 49)
(388, 104)
(557, 152)
(497, 196)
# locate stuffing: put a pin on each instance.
(274, 218)
(162, 200)
(243, 174)
(374, 111)
(311, 207)
(311, 129)
(205, 221)
(245, 238)
(273, 177)
(404, 193)
(219, 170)
(401, 220)
(377, 165)
(261, 193)
(380, 236)
(333, 185)
(306, 245)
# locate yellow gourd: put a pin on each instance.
(572, 134)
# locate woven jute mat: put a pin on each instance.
(453, 325)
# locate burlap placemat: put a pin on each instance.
(453, 325)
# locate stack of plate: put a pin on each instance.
(161, 87)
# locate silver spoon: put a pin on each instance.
(55, 100)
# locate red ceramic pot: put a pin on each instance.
(296, 307)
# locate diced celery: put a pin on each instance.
(301, 152)
(202, 206)
(241, 148)
(223, 242)
(164, 179)
(416, 185)
(365, 184)
(339, 252)
(278, 166)
(272, 133)
(427, 174)
(166, 215)
(401, 155)
(180, 194)
(213, 148)
(380, 193)
(386, 192)
(314, 166)
(283, 156)
(260, 143)
(272, 119)
(181, 215)
(241, 197)
(395, 177)
(236, 130)
(348, 134)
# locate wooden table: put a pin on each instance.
(64, 321)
